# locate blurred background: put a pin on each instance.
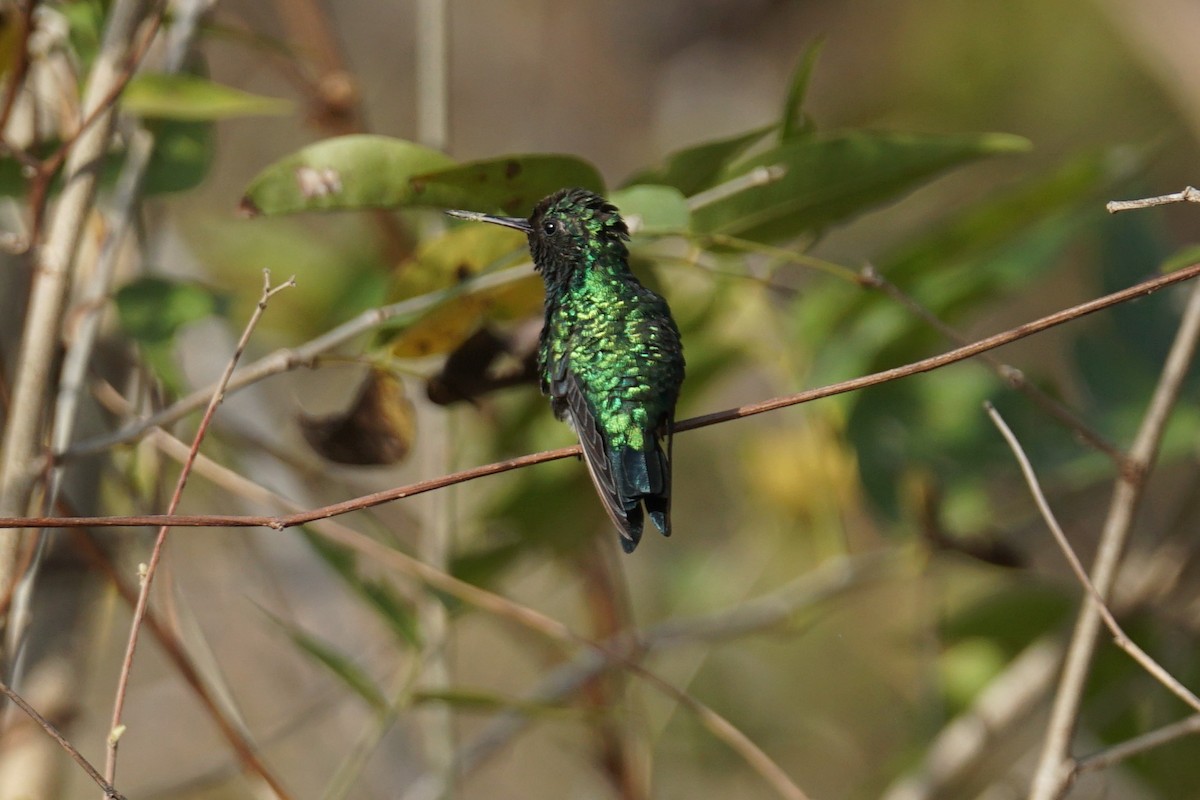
(889, 529)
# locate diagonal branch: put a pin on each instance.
(1055, 769)
(110, 793)
(1121, 639)
(139, 612)
(378, 498)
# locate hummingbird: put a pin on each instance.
(610, 357)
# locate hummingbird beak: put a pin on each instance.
(520, 223)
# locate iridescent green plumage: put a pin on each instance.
(610, 355)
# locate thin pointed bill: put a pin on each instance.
(519, 223)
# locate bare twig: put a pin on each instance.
(728, 733)
(765, 613)
(1054, 772)
(1119, 636)
(110, 766)
(971, 736)
(109, 791)
(1189, 195)
(1110, 756)
(367, 501)
(757, 615)
(244, 750)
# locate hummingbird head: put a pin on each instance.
(569, 230)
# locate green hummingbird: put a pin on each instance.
(609, 355)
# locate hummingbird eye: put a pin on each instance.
(549, 227)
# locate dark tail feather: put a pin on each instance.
(659, 505)
(631, 530)
(645, 477)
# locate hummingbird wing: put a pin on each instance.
(607, 476)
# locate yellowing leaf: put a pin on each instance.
(462, 252)
(451, 323)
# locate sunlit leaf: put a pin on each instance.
(806, 184)
(343, 173)
(462, 252)
(190, 97)
(378, 428)
(650, 209)
(451, 323)
(967, 667)
(512, 184)
(698, 167)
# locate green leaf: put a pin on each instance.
(651, 209)
(189, 97)
(806, 184)
(343, 173)
(794, 122)
(513, 184)
(338, 663)
(153, 309)
(696, 168)
(183, 153)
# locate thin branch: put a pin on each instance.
(1010, 375)
(764, 612)
(1054, 771)
(109, 791)
(761, 614)
(1119, 636)
(110, 766)
(971, 737)
(378, 498)
(1189, 195)
(1110, 756)
(728, 733)
(244, 750)
(958, 354)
